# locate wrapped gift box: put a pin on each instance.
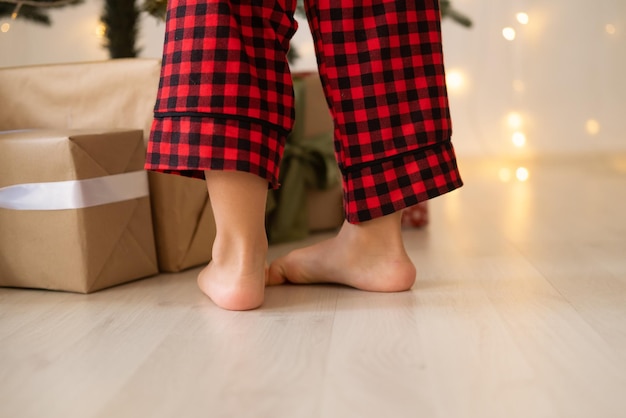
(114, 94)
(183, 219)
(314, 121)
(74, 210)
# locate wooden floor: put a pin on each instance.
(519, 311)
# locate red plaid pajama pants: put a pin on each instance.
(225, 98)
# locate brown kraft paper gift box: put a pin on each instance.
(98, 236)
(313, 118)
(117, 94)
(184, 223)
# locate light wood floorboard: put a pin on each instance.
(519, 311)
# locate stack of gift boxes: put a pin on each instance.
(78, 212)
(75, 209)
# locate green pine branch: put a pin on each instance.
(156, 8)
(447, 11)
(33, 13)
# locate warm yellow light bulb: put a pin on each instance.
(101, 30)
(455, 80)
(522, 174)
(610, 29)
(522, 18)
(508, 33)
(592, 127)
(4, 28)
(514, 120)
(519, 139)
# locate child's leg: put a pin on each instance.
(381, 65)
(223, 111)
(235, 278)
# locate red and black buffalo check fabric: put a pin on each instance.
(225, 98)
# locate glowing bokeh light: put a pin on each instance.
(455, 80)
(522, 18)
(101, 30)
(519, 139)
(514, 120)
(508, 33)
(522, 174)
(592, 127)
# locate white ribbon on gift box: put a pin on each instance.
(75, 194)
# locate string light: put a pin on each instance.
(16, 11)
(610, 29)
(514, 120)
(522, 174)
(455, 80)
(592, 127)
(101, 30)
(519, 139)
(508, 33)
(4, 28)
(522, 18)
(506, 175)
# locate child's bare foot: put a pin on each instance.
(233, 288)
(235, 278)
(368, 256)
(235, 282)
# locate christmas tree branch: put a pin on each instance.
(34, 3)
(36, 11)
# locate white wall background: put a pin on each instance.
(564, 75)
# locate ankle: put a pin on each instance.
(240, 252)
(384, 232)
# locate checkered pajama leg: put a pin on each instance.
(225, 98)
(382, 68)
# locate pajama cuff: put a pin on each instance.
(379, 188)
(189, 145)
